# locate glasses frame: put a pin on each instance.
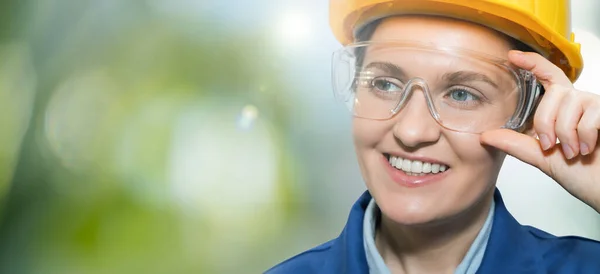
(530, 88)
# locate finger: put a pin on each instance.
(567, 120)
(588, 128)
(546, 114)
(544, 70)
(521, 146)
(525, 148)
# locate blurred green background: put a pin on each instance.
(153, 136)
(169, 136)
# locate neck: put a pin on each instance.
(432, 248)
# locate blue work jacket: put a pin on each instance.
(512, 248)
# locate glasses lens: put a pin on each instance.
(465, 92)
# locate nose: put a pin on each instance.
(414, 126)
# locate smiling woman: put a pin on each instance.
(440, 93)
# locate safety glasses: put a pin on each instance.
(465, 91)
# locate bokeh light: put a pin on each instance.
(294, 29)
(78, 119)
(247, 117)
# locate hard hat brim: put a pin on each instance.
(347, 17)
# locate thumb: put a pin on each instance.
(520, 146)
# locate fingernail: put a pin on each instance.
(585, 150)
(568, 151)
(545, 141)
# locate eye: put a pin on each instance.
(464, 98)
(462, 95)
(387, 84)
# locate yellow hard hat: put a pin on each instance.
(544, 25)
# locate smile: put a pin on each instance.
(415, 167)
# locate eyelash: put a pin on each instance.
(370, 82)
(478, 100)
(385, 80)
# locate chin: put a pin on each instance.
(424, 208)
(411, 209)
(413, 213)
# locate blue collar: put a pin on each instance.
(510, 248)
(468, 265)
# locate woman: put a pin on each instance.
(441, 91)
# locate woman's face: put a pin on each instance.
(413, 134)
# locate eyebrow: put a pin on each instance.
(454, 77)
(468, 76)
(389, 68)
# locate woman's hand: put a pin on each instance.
(565, 113)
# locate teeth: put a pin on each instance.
(398, 164)
(415, 168)
(393, 161)
(406, 164)
(415, 174)
(426, 167)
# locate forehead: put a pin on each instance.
(436, 67)
(443, 32)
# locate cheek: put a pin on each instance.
(368, 133)
(476, 161)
